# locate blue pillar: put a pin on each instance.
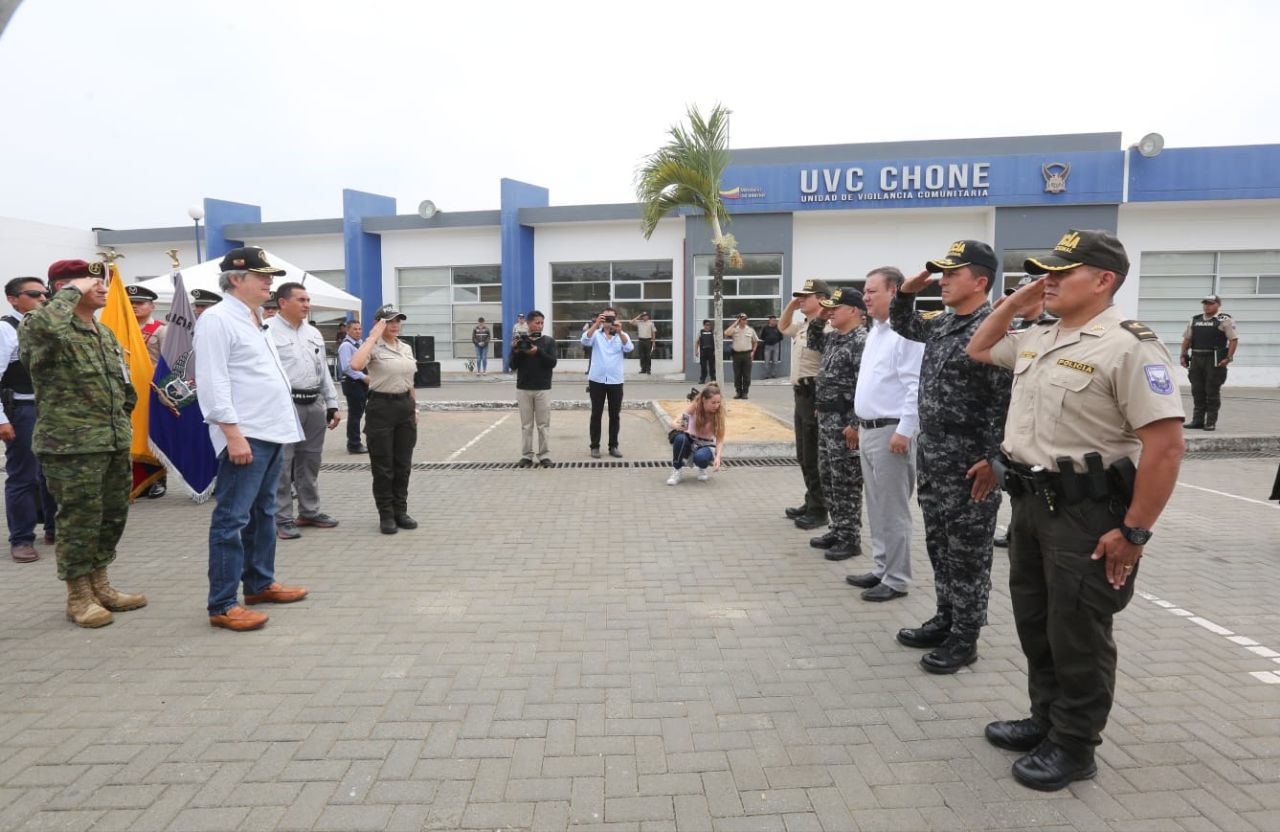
(363, 251)
(218, 214)
(517, 254)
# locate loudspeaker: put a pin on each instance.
(428, 374)
(424, 348)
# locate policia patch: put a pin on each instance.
(1140, 330)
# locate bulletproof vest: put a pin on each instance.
(16, 377)
(1207, 334)
(706, 341)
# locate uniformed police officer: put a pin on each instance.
(834, 386)
(803, 321)
(962, 408)
(202, 299)
(1208, 346)
(82, 435)
(1089, 394)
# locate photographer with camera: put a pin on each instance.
(533, 357)
(604, 381)
(697, 437)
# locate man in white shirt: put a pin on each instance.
(604, 378)
(885, 406)
(302, 354)
(26, 497)
(244, 394)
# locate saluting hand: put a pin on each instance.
(379, 327)
(1027, 298)
(915, 283)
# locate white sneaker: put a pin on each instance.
(703, 475)
(676, 474)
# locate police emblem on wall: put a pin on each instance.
(1055, 177)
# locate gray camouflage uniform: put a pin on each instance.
(962, 409)
(839, 467)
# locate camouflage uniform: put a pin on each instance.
(83, 430)
(839, 467)
(962, 409)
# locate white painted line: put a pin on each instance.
(1211, 627)
(1269, 677)
(478, 437)
(1225, 494)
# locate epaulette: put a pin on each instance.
(1139, 330)
(929, 315)
(1045, 321)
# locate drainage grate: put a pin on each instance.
(762, 462)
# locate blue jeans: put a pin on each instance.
(242, 532)
(26, 497)
(682, 446)
(482, 359)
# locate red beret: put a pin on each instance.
(69, 269)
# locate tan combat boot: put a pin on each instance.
(110, 597)
(82, 607)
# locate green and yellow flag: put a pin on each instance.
(119, 318)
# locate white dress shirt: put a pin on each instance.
(9, 352)
(302, 354)
(889, 379)
(606, 356)
(239, 378)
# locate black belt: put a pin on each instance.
(374, 394)
(804, 384)
(1211, 352)
(872, 424)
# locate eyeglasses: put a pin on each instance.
(34, 293)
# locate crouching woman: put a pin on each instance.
(698, 437)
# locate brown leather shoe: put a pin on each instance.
(277, 594)
(238, 619)
(24, 553)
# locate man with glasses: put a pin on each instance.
(26, 497)
(82, 436)
(244, 394)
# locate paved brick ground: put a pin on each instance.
(591, 649)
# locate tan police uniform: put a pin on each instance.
(804, 367)
(1075, 392)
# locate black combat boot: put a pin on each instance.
(929, 634)
(843, 550)
(1197, 421)
(825, 541)
(1051, 767)
(1016, 734)
(809, 522)
(956, 652)
(387, 522)
(1211, 420)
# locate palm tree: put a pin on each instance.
(686, 173)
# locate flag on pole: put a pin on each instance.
(118, 317)
(179, 435)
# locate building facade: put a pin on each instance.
(1194, 220)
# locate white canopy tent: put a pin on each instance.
(205, 276)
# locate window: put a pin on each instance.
(446, 301)
(756, 289)
(580, 290)
(1172, 284)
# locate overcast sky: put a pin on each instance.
(123, 113)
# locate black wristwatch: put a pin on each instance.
(1135, 534)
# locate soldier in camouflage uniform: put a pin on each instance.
(962, 409)
(82, 435)
(838, 462)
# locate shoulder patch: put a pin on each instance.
(1139, 330)
(930, 315)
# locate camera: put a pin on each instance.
(610, 319)
(524, 342)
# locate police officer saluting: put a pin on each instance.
(1208, 346)
(839, 466)
(1090, 393)
(962, 408)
